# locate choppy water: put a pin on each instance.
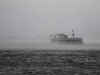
(46, 44)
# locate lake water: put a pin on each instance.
(46, 45)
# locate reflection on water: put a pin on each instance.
(46, 44)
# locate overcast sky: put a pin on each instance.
(41, 17)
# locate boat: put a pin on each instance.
(62, 38)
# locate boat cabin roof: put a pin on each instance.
(60, 34)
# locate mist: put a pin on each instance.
(33, 18)
(28, 22)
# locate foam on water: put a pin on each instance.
(46, 45)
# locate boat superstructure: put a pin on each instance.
(64, 38)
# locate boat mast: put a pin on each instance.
(73, 33)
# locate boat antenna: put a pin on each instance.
(73, 33)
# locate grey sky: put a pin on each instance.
(41, 17)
